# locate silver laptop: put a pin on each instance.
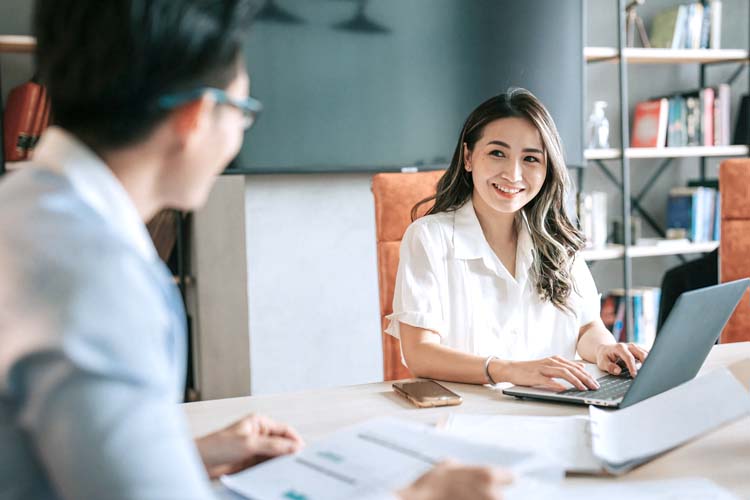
(681, 347)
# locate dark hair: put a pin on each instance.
(555, 238)
(105, 63)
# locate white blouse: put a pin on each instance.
(451, 282)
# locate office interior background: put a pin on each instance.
(283, 293)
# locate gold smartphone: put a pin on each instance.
(427, 393)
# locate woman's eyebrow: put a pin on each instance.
(525, 150)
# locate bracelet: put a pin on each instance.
(487, 369)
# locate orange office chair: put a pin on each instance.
(395, 195)
(734, 248)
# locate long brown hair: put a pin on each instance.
(555, 238)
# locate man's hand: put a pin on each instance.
(448, 481)
(247, 442)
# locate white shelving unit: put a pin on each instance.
(17, 44)
(618, 251)
(665, 56)
(622, 58)
(683, 152)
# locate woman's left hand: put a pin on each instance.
(607, 356)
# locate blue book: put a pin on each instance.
(682, 208)
(637, 316)
(717, 218)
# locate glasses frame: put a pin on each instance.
(250, 107)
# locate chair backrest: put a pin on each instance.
(734, 248)
(395, 195)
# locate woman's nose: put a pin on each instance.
(512, 170)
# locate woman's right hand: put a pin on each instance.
(543, 372)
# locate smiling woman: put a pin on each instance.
(489, 288)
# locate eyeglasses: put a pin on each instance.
(250, 107)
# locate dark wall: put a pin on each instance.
(394, 90)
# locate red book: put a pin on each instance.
(18, 121)
(650, 124)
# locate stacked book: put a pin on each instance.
(644, 312)
(592, 218)
(694, 213)
(693, 26)
(696, 118)
(27, 114)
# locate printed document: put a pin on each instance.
(616, 440)
(373, 459)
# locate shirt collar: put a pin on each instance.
(469, 242)
(95, 183)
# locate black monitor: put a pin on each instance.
(379, 85)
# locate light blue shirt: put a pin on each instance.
(92, 340)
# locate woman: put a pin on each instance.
(489, 288)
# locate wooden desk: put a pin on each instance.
(723, 455)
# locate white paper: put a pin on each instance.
(669, 419)
(668, 489)
(566, 440)
(616, 440)
(374, 458)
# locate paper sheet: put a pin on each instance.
(670, 419)
(617, 440)
(670, 489)
(563, 439)
(372, 459)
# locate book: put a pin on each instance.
(677, 122)
(705, 27)
(693, 120)
(715, 37)
(742, 127)
(592, 218)
(695, 23)
(717, 219)
(650, 124)
(707, 116)
(19, 119)
(682, 204)
(722, 123)
(664, 28)
(681, 28)
(691, 213)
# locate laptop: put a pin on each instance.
(681, 347)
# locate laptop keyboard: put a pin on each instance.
(611, 387)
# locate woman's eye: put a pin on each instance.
(497, 153)
(532, 159)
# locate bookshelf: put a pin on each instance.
(618, 251)
(18, 44)
(621, 59)
(683, 152)
(665, 56)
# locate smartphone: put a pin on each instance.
(427, 393)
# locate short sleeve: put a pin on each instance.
(419, 280)
(589, 300)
